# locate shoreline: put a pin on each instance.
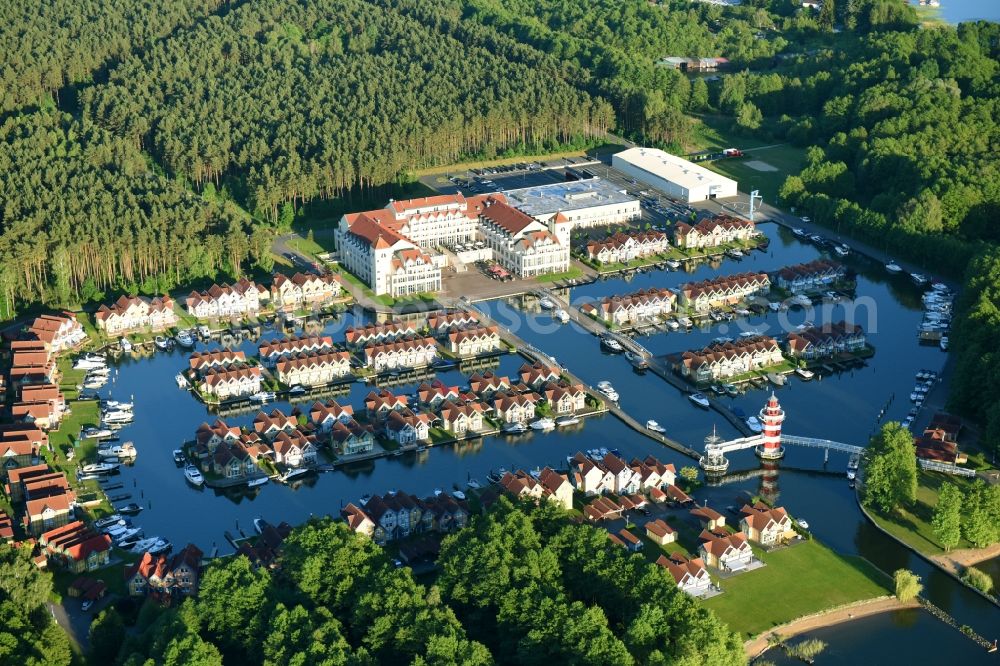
(957, 561)
(755, 647)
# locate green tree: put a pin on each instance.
(826, 15)
(234, 599)
(908, 585)
(689, 473)
(749, 116)
(979, 526)
(890, 468)
(107, 633)
(947, 519)
(978, 579)
(699, 96)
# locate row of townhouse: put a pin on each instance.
(812, 276)
(164, 575)
(404, 353)
(32, 362)
(236, 380)
(303, 290)
(728, 359)
(611, 474)
(548, 484)
(641, 305)
(313, 369)
(623, 247)
(523, 245)
(474, 340)
(358, 337)
(136, 313)
(385, 518)
(49, 502)
(441, 323)
(290, 444)
(240, 299)
(826, 340)
(76, 547)
(224, 450)
(199, 362)
(20, 444)
(713, 232)
(272, 351)
(42, 405)
(58, 332)
(722, 291)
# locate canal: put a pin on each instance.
(842, 407)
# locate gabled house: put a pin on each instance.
(690, 574)
(274, 350)
(660, 532)
(729, 552)
(303, 290)
(765, 525)
(536, 375)
(379, 404)
(626, 481)
(359, 337)
(590, 477)
(351, 438)
(48, 512)
(76, 547)
(565, 398)
(271, 425)
(240, 299)
(487, 384)
(473, 340)
(436, 392)
(709, 518)
(462, 418)
(134, 313)
(324, 415)
(405, 428)
(515, 407)
(313, 369)
(294, 449)
(58, 332)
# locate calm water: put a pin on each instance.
(844, 407)
(957, 11)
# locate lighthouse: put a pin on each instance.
(771, 418)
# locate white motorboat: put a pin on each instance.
(799, 232)
(854, 462)
(295, 473)
(259, 524)
(95, 433)
(125, 345)
(107, 521)
(562, 316)
(127, 535)
(893, 267)
(298, 389)
(161, 546)
(181, 380)
(544, 423)
(604, 384)
(263, 396)
(672, 324)
(145, 544)
(117, 417)
(185, 339)
(919, 279)
(124, 451)
(118, 527)
(564, 421)
(842, 250)
(611, 344)
(805, 374)
(89, 364)
(776, 379)
(699, 399)
(851, 475)
(654, 426)
(458, 494)
(515, 428)
(161, 343)
(943, 343)
(673, 264)
(773, 306)
(99, 468)
(609, 393)
(95, 382)
(802, 523)
(721, 340)
(119, 406)
(179, 456)
(801, 299)
(546, 303)
(192, 474)
(259, 481)
(754, 424)
(473, 484)
(129, 509)
(204, 332)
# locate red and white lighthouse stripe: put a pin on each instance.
(771, 417)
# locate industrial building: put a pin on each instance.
(672, 175)
(582, 203)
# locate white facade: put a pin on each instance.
(673, 175)
(580, 203)
(386, 261)
(522, 244)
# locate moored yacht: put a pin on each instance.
(546, 303)
(893, 267)
(654, 426)
(699, 399)
(568, 420)
(804, 374)
(263, 396)
(562, 316)
(194, 476)
(754, 424)
(514, 428)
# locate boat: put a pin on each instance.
(99, 468)
(95, 383)
(514, 428)
(162, 343)
(115, 405)
(259, 524)
(731, 390)
(637, 360)
(776, 379)
(124, 451)
(131, 534)
(609, 393)
(95, 433)
(734, 253)
(185, 339)
(802, 523)
(805, 374)
(773, 306)
(89, 364)
(145, 544)
(798, 232)
(161, 546)
(943, 343)
(192, 474)
(854, 462)
(458, 494)
(204, 332)
(546, 303)
(127, 544)
(721, 340)
(893, 267)
(801, 300)
(842, 250)
(99, 371)
(129, 509)
(298, 389)
(686, 322)
(258, 481)
(115, 531)
(699, 399)
(263, 396)
(754, 424)
(295, 473)
(918, 279)
(673, 264)
(444, 364)
(562, 316)
(118, 416)
(179, 457)
(473, 484)
(438, 492)
(718, 390)
(564, 421)
(181, 380)
(654, 426)
(125, 345)
(544, 423)
(672, 324)
(611, 345)
(108, 521)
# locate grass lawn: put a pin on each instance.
(572, 273)
(308, 247)
(804, 579)
(912, 525)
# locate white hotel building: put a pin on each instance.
(522, 244)
(581, 203)
(387, 262)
